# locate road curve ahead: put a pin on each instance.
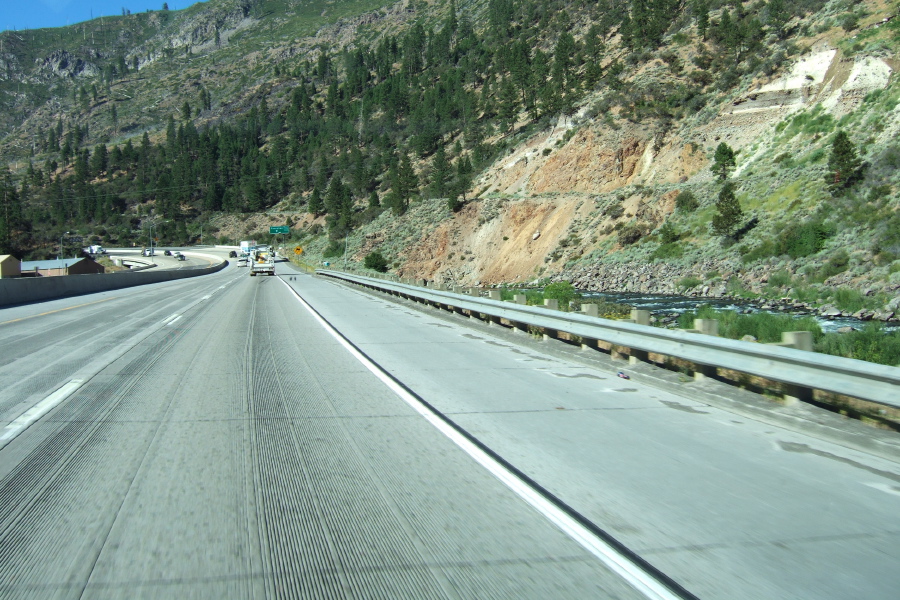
(208, 438)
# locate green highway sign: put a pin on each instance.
(279, 229)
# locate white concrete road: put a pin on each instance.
(210, 438)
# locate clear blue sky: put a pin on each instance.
(37, 14)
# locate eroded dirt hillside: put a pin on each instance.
(564, 194)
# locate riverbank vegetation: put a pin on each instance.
(872, 343)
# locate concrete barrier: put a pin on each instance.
(22, 290)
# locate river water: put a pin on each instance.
(661, 305)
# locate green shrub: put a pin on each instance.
(848, 300)
(376, 261)
(667, 251)
(804, 239)
(668, 234)
(780, 278)
(686, 283)
(765, 327)
(686, 202)
(768, 247)
(630, 234)
(736, 287)
(562, 291)
(872, 343)
(334, 248)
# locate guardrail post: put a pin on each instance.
(801, 340)
(590, 310)
(475, 292)
(795, 393)
(494, 295)
(641, 317)
(702, 372)
(518, 325)
(707, 326)
(552, 304)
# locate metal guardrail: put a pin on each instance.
(798, 368)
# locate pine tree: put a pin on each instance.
(315, 202)
(724, 161)
(10, 213)
(777, 16)
(509, 104)
(728, 211)
(701, 14)
(440, 173)
(844, 166)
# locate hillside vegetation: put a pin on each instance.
(703, 146)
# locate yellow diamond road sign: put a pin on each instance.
(298, 250)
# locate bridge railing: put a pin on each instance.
(801, 371)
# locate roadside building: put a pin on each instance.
(9, 266)
(61, 266)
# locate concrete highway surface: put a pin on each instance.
(233, 437)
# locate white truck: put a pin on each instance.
(246, 247)
(262, 261)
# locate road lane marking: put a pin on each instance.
(24, 421)
(50, 312)
(642, 576)
(171, 319)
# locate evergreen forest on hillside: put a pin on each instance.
(376, 124)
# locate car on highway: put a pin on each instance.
(167, 252)
(178, 255)
(232, 254)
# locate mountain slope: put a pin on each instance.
(593, 124)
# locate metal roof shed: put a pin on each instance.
(61, 266)
(9, 266)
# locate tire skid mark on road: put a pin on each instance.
(40, 480)
(330, 532)
(36, 489)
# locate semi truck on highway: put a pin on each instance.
(262, 261)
